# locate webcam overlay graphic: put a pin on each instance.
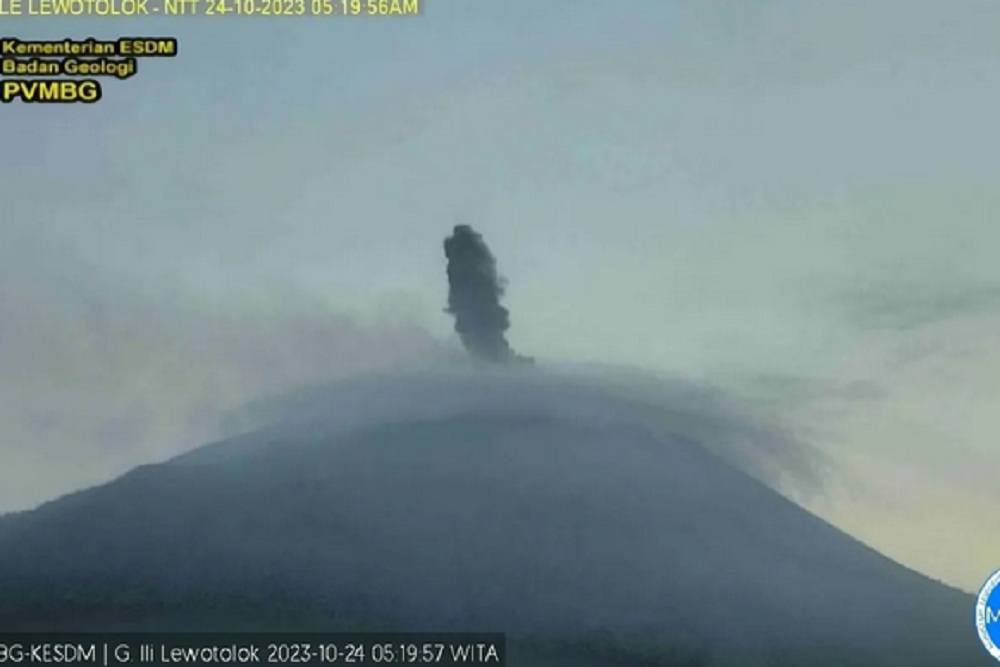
(988, 615)
(31, 69)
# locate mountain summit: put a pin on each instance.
(513, 502)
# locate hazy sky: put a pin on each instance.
(795, 198)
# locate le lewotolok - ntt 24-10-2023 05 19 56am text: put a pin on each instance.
(71, 70)
(214, 8)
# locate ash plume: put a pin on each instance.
(474, 293)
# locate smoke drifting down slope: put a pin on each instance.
(595, 528)
(474, 293)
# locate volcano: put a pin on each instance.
(565, 514)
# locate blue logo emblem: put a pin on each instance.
(988, 615)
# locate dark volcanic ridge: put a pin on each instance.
(592, 536)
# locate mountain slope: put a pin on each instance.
(576, 536)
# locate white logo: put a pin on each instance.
(988, 615)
